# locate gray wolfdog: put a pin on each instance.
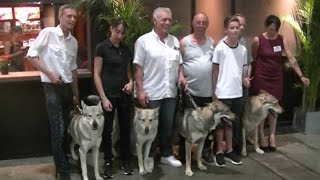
(86, 130)
(145, 126)
(195, 125)
(257, 109)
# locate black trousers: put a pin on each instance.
(123, 105)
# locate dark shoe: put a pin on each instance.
(127, 170)
(207, 156)
(233, 158)
(219, 160)
(63, 177)
(75, 168)
(272, 148)
(264, 148)
(237, 149)
(108, 171)
(182, 154)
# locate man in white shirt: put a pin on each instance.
(158, 71)
(54, 54)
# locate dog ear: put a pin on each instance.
(83, 105)
(262, 98)
(138, 110)
(157, 110)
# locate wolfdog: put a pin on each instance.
(145, 126)
(257, 109)
(86, 130)
(195, 124)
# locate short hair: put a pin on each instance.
(239, 15)
(16, 29)
(158, 10)
(115, 23)
(272, 19)
(66, 6)
(228, 20)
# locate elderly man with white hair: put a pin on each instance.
(158, 71)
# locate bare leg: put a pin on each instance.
(272, 123)
(228, 131)
(219, 139)
(261, 134)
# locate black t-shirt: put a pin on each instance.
(115, 61)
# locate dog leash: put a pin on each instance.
(189, 96)
(191, 99)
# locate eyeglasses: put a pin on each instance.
(202, 23)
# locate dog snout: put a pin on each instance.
(146, 130)
(95, 125)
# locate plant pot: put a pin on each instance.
(306, 122)
(4, 70)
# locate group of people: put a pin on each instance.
(208, 69)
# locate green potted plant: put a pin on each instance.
(102, 11)
(4, 64)
(306, 24)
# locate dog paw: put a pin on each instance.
(75, 157)
(149, 169)
(202, 167)
(85, 178)
(99, 178)
(244, 153)
(259, 151)
(142, 172)
(149, 165)
(189, 173)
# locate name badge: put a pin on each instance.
(277, 48)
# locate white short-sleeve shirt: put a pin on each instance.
(160, 63)
(231, 61)
(57, 52)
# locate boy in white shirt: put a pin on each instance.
(228, 60)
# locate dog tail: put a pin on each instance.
(93, 99)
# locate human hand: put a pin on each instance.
(76, 101)
(23, 49)
(214, 97)
(128, 88)
(107, 105)
(246, 82)
(143, 99)
(56, 80)
(305, 81)
(183, 83)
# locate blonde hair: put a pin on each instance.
(66, 6)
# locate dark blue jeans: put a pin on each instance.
(165, 128)
(59, 104)
(123, 106)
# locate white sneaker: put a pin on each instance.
(171, 160)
